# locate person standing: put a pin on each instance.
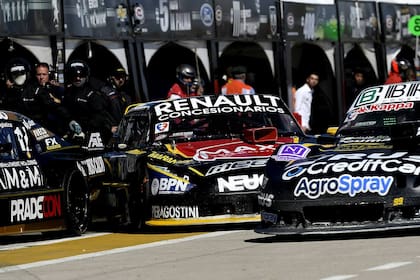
(50, 95)
(118, 99)
(185, 75)
(86, 104)
(355, 86)
(17, 85)
(303, 100)
(398, 72)
(237, 84)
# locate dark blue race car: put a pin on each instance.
(368, 181)
(44, 180)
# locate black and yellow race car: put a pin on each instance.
(369, 181)
(193, 161)
(44, 180)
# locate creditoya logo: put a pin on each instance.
(356, 163)
(345, 184)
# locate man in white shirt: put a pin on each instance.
(303, 100)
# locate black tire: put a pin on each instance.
(76, 196)
(138, 198)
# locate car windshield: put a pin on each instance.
(223, 126)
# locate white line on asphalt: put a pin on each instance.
(388, 266)
(115, 251)
(340, 277)
(47, 242)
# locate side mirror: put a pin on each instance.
(122, 146)
(332, 130)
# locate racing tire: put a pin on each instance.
(138, 198)
(76, 202)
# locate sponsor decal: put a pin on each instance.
(218, 15)
(206, 14)
(265, 199)
(290, 20)
(365, 139)
(23, 139)
(40, 133)
(18, 163)
(35, 208)
(20, 177)
(28, 123)
(162, 157)
(15, 11)
(240, 183)
(169, 186)
(345, 184)
(358, 162)
(290, 152)
(386, 94)
(230, 166)
(95, 141)
(269, 217)
(161, 127)
(398, 201)
(385, 107)
(93, 14)
(221, 105)
(6, 125)
(52, 144)
(174, 212)
(93, 166)
(233, 150)
(3, 116)
(139, 14)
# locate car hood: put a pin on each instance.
(349, 173)
(226, 149)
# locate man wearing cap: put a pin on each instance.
(237, 85)
(86, 104)
(117, 97)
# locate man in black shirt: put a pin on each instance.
(86, 104)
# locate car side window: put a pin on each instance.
(136, 130)
(9, 143)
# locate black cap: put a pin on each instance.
(238, 70)
(119, 72)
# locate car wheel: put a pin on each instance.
(138, 198)
(76, 195)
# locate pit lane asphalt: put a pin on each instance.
(37, 248)
(229, 254)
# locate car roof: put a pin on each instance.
(38, 132)
(237, 99)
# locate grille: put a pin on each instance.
(344, 213)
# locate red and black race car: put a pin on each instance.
(197, 160)
(369, 181)
(44, 180)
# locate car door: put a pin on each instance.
(22, 181)
(133, 141)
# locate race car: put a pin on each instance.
(193, 161)
(368, 181)
(44, 180)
